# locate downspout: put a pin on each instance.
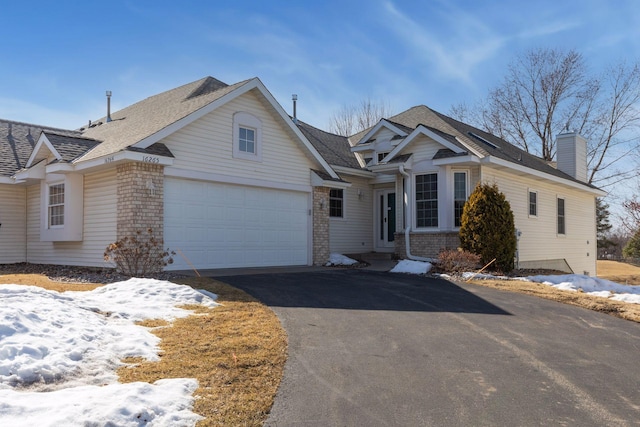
(408, 220)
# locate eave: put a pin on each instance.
(523, 170)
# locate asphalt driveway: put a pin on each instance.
(382, 349)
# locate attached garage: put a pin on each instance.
(218, 225)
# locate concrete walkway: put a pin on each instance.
(377, 262)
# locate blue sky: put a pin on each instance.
(60, 57)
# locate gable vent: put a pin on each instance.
(481, 139)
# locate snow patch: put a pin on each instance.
(339, 259)
(411, 267)
(70, 344)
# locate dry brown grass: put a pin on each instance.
(619, 272)
(44, 282)
(236, 351)
(605, 305)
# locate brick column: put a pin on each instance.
(320, 225)
(140, 199)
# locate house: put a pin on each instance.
(227, 178)
(412, 173)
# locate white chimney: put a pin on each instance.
(571, 155)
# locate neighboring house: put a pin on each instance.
(413, 172)
(226, 178)
(219, 172)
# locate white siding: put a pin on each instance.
(423, 148)
(99, 229)
(13, 244)
(353, 233)
(207, 146)
(539, 239)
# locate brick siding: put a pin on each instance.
(426, 245)
(320, 225)
(140, 199)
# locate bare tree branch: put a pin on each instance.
(546, 91)
(351, 119)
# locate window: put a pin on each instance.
(56, 205)
(382, 156)
(459, 196)
(61, 207)
(336, 203)
(533, 203)
(427, 200)
(247, 140)
(561, 225)
(247, 137)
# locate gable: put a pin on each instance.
(206, 145)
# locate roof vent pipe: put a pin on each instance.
(294, 97)
(108, 106)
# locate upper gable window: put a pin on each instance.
(247, 140)
(381, 156)
(247, 137)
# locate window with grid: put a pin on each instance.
(459, 196)
(56, 205)
(561, 223)
(247, 140)
(533, 203)
(427, 200)
(336, 203)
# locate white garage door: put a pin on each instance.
(222, 225)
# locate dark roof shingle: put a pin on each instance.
(335, 149)
(17, 140)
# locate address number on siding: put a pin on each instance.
(149, 159)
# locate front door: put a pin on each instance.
(386, 218)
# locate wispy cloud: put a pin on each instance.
(549, 29)
(454, 54)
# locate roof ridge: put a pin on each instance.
(43, 127)
(209, 84)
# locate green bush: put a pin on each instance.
(141, 255)
(632, 249)
(488, 228)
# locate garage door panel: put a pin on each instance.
(220, 225)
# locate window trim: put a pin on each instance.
(246, 120)
(341, 199)
(536, 205)
(55, 205)
(467, 175)
(72, 228)
(416, 201)
(563, 216)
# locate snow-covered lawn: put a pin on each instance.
(59, 353)
(578, 282)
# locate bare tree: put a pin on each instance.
(351, 119)
(546, 91)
